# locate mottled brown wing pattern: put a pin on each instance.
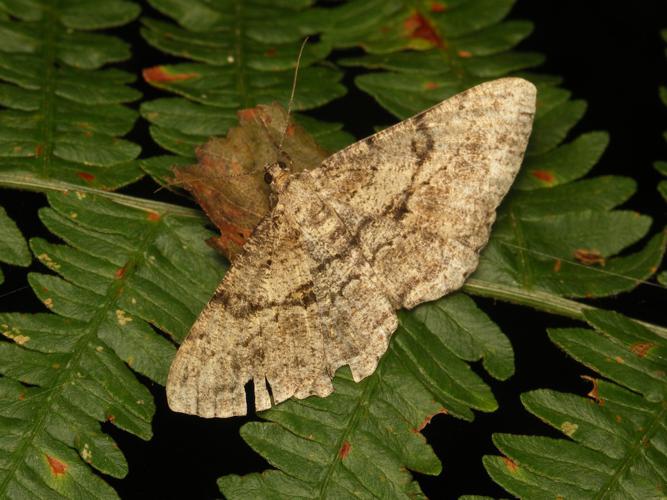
(389, 222)
(292, 310)
(420, 197)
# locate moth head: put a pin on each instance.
(276, 175)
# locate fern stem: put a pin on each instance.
(541, 301)
(28, 182)
(536, 299)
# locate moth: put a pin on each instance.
(391, 221)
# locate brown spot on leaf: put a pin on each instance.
(589, 257)
(438, 7)
(465, 54)
(544, 176)
(641, 348)
(431, 85)
(418, 26)
(160, 74)
(289, 131)
(58, 468)
(22, 396)
(344, 450)
(271, 52)
(618, 419)
(557, 265)
(120, 272)
(511, 465)
(39, 150)
(153, 216)
(86, 176)
(593, 393)
(619, 360)
(427, 420)
(111, 418)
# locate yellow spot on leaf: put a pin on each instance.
(73, 215)
(569, 428)
(86, 454)
(48, 302)
(122, 317)
(55, 365)
(19, 339)
(48, 261)
(80, 195)
(99, 348)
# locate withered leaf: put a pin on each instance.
(228, 180)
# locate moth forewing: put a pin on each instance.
(391, 221)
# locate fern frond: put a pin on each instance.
(560, 239)
(121, 271)
(616, 445)
(244, 54)
(360, 441)
(63, 114)
(13, 248)
(548, 223)
(428, 50)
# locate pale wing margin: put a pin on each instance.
(420, 197)
(284, 320)
(258, 326)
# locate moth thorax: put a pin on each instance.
(276, 174)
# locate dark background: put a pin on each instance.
(608, 53)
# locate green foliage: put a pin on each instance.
(546, 224)
(241, 54)
(360, 441)
(124, 273)
(13, 248)
(460, 44)
(121, 271)
(617, 439)
(550, 227)
(63, 114)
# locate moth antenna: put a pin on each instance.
(291, 97)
